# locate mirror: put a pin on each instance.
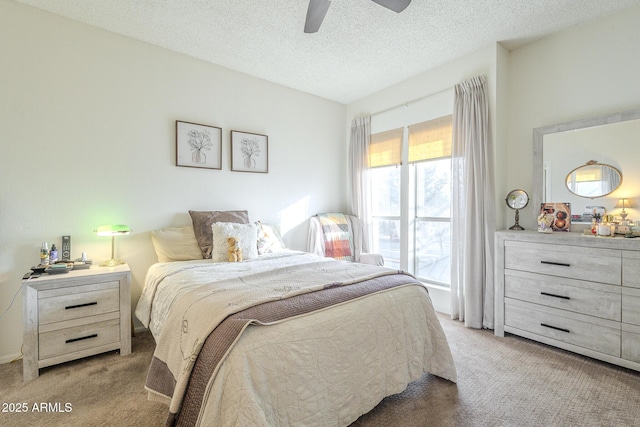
(593, 180)
(517, 199)
(557, 150)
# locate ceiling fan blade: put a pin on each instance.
(315, 15)
(395, 5)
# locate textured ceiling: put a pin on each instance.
(360, 49)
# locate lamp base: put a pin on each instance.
(112, 263)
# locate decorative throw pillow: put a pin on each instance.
(269, 239)
(246, 234)
(202, 221)
(176, 244)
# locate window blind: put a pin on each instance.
(386, 148)
(430, 139)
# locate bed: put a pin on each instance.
(285, 338)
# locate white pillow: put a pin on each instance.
(176, 244)
(246, 234)
(269, 239)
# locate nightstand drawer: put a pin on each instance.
(574, 262)
(77, 302)
(77, 338)
(585, 331)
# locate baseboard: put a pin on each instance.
(440, 299)
(139, 329)
(9, 358)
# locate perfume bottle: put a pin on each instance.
(596, 218)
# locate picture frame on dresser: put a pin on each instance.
(198, 145)
(560, 214)
(249, 152)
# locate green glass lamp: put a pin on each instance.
(113, 231)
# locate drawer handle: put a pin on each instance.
(81, 338)
(556, 263)
(555, 296)
(69, 307)
(554, 327)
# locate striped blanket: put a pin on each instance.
(337, 234)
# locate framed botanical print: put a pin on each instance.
(198, 146)
(249, 152)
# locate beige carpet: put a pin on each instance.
(502, 382)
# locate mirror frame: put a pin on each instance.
(506, 199)
(593, 163)
(539, 133)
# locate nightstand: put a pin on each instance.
(72, 315)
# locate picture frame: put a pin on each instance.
(198, 145)
(249, 152)
(560, 215)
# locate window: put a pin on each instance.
(411, 198)
(385, 207)
(432, 255)
(385, 155)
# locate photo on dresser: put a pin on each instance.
(561, 213)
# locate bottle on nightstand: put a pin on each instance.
(44, 254)
(53, 254)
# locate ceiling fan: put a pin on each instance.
(318, 9)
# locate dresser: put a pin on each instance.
(579, 293)
(73, 315)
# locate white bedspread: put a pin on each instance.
(325, 368)
(158, 295)
(328, 368)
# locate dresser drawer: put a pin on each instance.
(631, 306)
(78, 301)
(579, 296)
(576, 262)
(631, 342)
(584, 331)
(631, 268)
(77, 338)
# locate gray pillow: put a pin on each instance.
(202, 221)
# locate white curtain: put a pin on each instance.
(359, 173)
(473, 207)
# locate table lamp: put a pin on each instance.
(623, 203)
(113, 231)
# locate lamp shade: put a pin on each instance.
(113, 230)
(623, 203)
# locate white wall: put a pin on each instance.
(87, 135)
(585, 71)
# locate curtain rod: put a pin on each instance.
(406, 104)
